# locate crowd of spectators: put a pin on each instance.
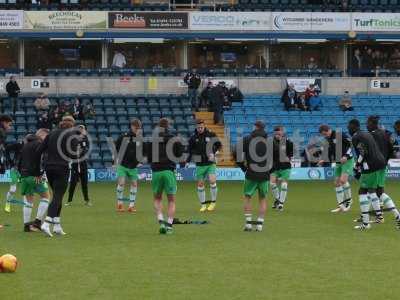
(309, 100)
(367, 61)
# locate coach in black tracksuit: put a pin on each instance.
(254, 161)
(60, 149)
(79, 168)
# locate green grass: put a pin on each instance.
(304, 253)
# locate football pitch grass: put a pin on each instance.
(306, 252)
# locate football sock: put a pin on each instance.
(347, 192)
(375, 204)
(260, 223)
(283, 194)
(132, 196)
(214, 191)
(170, 222)
(42, 208)
(364, 207)
(120, 194)
(389, 204)
(201, 193)
(27, 211)
(275, 191)
(160, 218)
(248, 218)
(339, 195)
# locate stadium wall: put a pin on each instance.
(174, 85)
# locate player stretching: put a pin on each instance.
(128, 144)
(386, 146)
(253, 161)
(13, 152)
(283, 152)
(203, 146)
(369, 165)
(32, 181)
(164, 151)
(340, 152)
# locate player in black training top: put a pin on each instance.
(386, 144)
(369, 164)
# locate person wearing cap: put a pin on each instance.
(282, 154)
(252, 157)
(59, 148)
(128, 146)
(203, 147)
(79, 168)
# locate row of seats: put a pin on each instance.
(240, 119)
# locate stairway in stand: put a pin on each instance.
(224, 158)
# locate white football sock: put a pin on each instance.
(283, 194)
(248, 218)
(376, 205)
(214, 191)
(364, 207)
(340, 196)
(120, 194)
(260, 223)
(160, 217)
(201, 193)
(132, 196)
(347, 191)
(389, 204)
(27, 211)
(275, 191)
(42, 208)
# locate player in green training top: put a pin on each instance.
(282, 154)
(254, 162)
(369, 164)
(13, 152)
(340, 153)
(203, 147)
(128, 146)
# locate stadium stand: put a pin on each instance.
(269, 109)
(113, 113)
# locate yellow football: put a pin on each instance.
(8, 263)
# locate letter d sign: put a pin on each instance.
(35, 84)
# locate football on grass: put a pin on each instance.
(8, 263)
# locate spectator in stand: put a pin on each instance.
(44, 120)
(395, 59)
(289, 97)
(345, 103)
(193, 81)
(302, 103)
(88, 111)
(396, 137)
(119, 60)
(234, 94)
(42, 103)
(315, 102)
(13, 91)
(310, 92)
(379, 60)
(76, 110)
(217, 102)
(312, 64)
(369, 64)
(205, 96)
(357, 62)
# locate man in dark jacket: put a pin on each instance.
(289, 97)
(217, 99)
(5, 127)
(254, 160)
(234, 94)
(32, 180)
(13, 155)
(129, 148)
(338, 146)
(13, 91)
(164, 152)
(60, 147)
(386, 145)
(193, 81)
(282, 154)
(370, 161)
(79, 168)
(203, 147)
